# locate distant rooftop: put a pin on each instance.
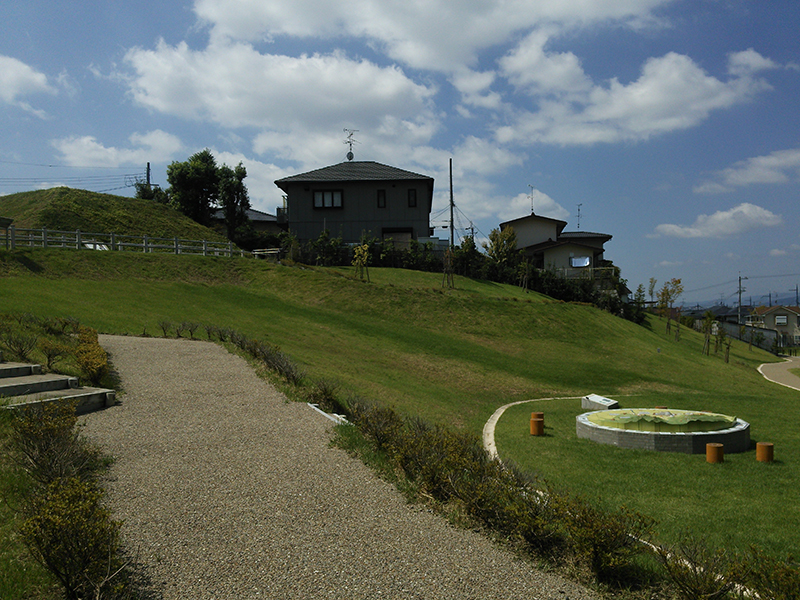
(252, 214)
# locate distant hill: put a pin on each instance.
(67, 209)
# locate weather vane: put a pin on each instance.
(350, 141)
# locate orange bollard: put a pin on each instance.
(765, 452)
(537, 426)
(715, 453)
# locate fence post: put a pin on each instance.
(77, 239)
(44, 237)
(230, 249)
(205, 248)
(144, 244)
(13, 237)
(176, 245)
(113, 240)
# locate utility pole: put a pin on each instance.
(741, 289)
(530, 195)
(148, 176)
(452, 227)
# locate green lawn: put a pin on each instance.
(454, 356)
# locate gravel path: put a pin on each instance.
(230, 491)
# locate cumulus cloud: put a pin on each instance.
(437, 35)
(85, 151)
(543, 205)
(234, 85)
(672, 93)
(780, 166)
(18, 80)
(739, 219)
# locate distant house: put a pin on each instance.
(548, 246)
(357, 198)
(260, 221)
(784, 320)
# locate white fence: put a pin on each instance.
(79, 240)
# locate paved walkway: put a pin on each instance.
(229, 491)
(779, 372)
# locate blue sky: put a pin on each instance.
(673, 124)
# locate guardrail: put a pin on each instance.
(79, 240)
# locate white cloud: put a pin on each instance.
(749, 62)
(672, 93)
(85, 151)
(543, 205)
(777, 167)
(439, 35)
(777, 252)
(236, 86)
(739, 219)
(18, 80)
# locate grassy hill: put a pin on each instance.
(454, 356)
(67, 209)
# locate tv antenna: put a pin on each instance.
(579, 215)
(350, 141)
(531, 196)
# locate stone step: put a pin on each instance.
(34, 384)
(18, 370)
(88, 399)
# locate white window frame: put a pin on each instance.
(781, 320)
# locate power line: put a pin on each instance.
(56, 166)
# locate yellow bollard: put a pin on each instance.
(715, 453)
(765, 452)
(537, 426)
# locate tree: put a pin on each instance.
(666, 298)
(146, 191)
(652, 288)
(233, 197)
(194, 186)
(503, 254)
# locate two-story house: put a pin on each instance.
(356, 198)
(784, 320)
(548, 246)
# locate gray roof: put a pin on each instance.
(577, 235)
(353, 171)
(252, 214)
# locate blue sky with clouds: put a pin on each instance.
(673, 124)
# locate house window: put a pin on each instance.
(780, 320)
(381, 198)
(328, 199)
(412, 198)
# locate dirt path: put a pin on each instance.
(779, 372)
(230, 491)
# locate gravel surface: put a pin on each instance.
(229, 491)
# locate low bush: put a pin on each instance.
(46, 444)
(769, 577)
(91, 358)
(53, 351)
(20, 344)
(70, 532)
(699, 573)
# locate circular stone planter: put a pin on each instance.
(664, 430)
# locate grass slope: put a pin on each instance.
(454, 356)
(67, 209)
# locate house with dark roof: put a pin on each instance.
(357, 198)
(783, 320)
(260, 221)
(548, 246)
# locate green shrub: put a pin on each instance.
(20, 344)
(606, 541)
(697, 572)
(91, 358)
(71, 533)
(53, 351)
(45, 443)
(769, 577)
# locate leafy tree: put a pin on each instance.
(146, 191)
(652, 288)
(233, 197)
(502, 254)
(666, 298)
(467, 259)
(194, 185)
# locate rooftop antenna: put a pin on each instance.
(350, 141)
(531, 196)
(579, 215)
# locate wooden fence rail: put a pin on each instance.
(80, 240)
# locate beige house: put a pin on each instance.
(357, 198)
(545, 242)
(784, 320)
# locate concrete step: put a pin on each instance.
(18, 370)
(88, 399)
(34, 384)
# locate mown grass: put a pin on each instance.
(454, 356)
